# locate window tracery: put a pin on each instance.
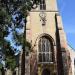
(45, 50)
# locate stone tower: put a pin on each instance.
(44, 31)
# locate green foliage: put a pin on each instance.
(8, 50)
(18, 38)
(10, 63)
(1, 66)
(23, 5)
(2, 16)
(7, 7)
(9, 56)
(27, 6)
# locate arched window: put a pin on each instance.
(45, 50)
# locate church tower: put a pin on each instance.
(44, 31)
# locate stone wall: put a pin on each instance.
(27, 65)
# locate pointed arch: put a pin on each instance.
(45, 49)
(48, 36)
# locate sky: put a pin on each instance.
(67, 11)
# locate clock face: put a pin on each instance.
(42, 14)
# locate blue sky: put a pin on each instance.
(67, 11)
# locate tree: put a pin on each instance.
(20, 7)
(5, 47)
(1, 69)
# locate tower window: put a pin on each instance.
(42, 5)
(45, 51)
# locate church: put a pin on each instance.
(50, 53)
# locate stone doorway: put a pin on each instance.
(46, 72)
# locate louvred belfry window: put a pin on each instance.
(42, 5)
(44, 50)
